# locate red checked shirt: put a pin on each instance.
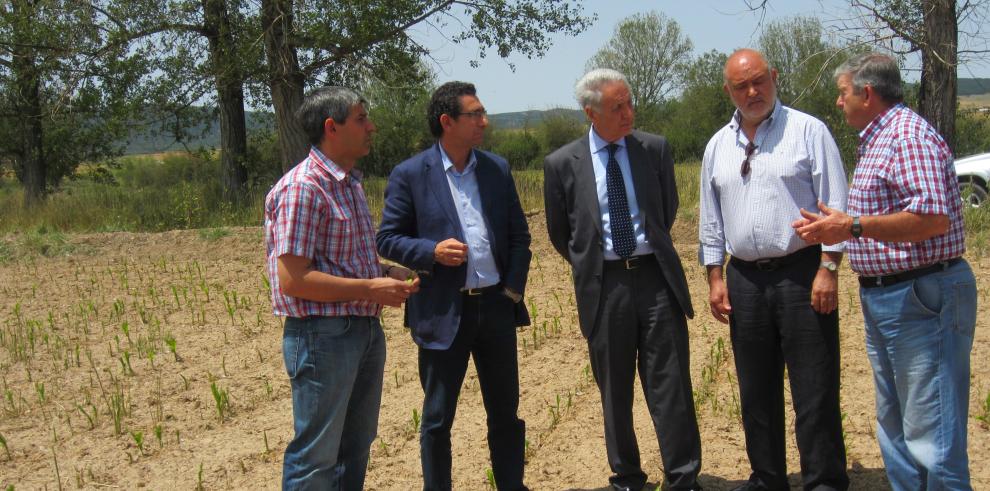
(318, 211)
(904, 165)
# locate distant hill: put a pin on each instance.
(208, 136)
(204, 135)
(974, 86)
(523, 119)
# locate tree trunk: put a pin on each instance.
(937, 96)
(286, 80)
(32, 168)
(229, 80)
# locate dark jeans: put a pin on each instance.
(488, 334)
(773, 325)
(639, 316)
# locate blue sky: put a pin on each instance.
(547, 82)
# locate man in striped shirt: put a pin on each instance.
(904, 234)
(780, 294)
(327, 281)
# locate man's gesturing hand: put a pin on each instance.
(450, 252)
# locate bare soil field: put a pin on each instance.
(153, 361)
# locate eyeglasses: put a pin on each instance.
(475, 115)
(750, 148)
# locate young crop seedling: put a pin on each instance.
(138, 437)
(222, 399)
(6, 449)
(984, 415)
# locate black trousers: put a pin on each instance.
(639, 316)
(773, 325)
(487, 333)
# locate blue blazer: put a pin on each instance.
(419, 212)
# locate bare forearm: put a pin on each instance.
(322, 287)
(903, 226)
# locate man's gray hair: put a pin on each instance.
(326, 103)
(877, 70)
(588, 90)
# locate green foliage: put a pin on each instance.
(398, 109)
(66, 90)
(178, 191)
(702, 109)
(557, 130)
(652, 52)
(519, 147)
(972, 132)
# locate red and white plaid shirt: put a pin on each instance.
(318, 211)
(904, 165)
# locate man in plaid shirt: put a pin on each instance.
(905, 240)
(327, 281)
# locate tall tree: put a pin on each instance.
(652, 52)
(929, 27)
(204, 51)
(66, 89)
(307, 41)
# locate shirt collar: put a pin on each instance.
(735, 122)
(448, 164)
(331, 167)
(880, 122)
(598, 143)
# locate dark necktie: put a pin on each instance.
(623, 241)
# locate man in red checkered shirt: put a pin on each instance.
(905, 240)
(328, 283)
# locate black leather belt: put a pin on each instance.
(473, 292)
(775, 263)
(878, 281)
(630, 262)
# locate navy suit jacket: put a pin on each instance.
(419, 212)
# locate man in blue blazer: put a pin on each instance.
(453, 215)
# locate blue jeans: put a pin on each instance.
(335, 366)
(919, 334)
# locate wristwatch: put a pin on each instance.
(830, 265)
(856, 230)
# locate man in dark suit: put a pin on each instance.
(452, 214)
(610, 203)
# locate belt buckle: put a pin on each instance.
(631, 262)
(473, 292)
(765, 264)
(879, 280)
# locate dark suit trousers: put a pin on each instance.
(638, 314)
(488, 334)
(773, 325)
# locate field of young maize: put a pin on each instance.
(152, 360)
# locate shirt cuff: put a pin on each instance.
(711, 255)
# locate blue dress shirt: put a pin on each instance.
(599, 160)
(481, 269)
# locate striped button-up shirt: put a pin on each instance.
(318, 211)
(796, 164)
(904, 165)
